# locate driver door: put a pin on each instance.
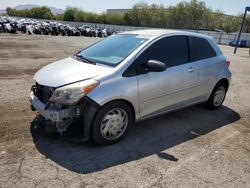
(169, 89)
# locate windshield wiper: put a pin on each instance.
(84, 59)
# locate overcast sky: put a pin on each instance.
(227, 6)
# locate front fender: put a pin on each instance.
(122, 88)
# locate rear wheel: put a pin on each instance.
(111, 123)
(217, 96)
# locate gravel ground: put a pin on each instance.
(193, 147)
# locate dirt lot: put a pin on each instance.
(193, 147)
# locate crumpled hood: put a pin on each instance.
(67, 71)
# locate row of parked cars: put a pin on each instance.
(37, 27)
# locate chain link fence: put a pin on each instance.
(220, 37)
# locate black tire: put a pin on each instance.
(96, 134)
(211, 101)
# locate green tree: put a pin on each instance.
(247, 25)
(69, 14)
(79, 15)
(185, 15)
(40, 12)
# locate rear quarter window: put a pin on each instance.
(200, 49)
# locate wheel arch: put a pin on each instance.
(224, 81)
(131, 106)
(210, 104)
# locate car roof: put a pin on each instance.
(153, 33)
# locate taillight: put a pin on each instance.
(228, 63)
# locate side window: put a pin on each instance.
(170, 50)
(200, 49)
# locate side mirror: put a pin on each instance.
(156, 66)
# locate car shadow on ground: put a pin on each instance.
(145, 138)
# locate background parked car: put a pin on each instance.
(241, 43)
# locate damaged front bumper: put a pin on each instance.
(52, 112)
(84, 112)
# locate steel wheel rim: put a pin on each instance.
(219, 96)
(114, 124)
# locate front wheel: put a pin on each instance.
(217, 96)
(111, 123)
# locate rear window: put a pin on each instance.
(200, 49)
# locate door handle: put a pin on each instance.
(190, 69)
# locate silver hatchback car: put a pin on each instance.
(128, 77)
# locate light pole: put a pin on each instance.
(241, 28)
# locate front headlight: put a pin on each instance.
(72, 93)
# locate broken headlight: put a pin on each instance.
(72, 93)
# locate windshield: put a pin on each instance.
(112, 50)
